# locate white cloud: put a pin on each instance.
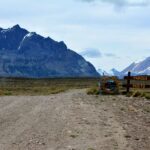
(122, 3)
(91, 53)
(111, 55)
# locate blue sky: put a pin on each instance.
(108, 33)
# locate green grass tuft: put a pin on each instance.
(137, 94)
(93, 91)
(147, 96)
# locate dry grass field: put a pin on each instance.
(21, 86)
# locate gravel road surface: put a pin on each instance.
(73, 121)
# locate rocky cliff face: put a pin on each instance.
(27, 54)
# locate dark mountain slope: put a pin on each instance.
(25, 54)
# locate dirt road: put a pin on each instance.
(73, 121)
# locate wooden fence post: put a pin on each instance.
(128, 82)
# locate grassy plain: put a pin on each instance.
(24, 86)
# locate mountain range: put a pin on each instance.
(28, 54)
(112, 72)
(140, 68)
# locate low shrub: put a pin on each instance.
(93, 91)
(1, 92)
(138, 94)
(147, 96)
(141, 94)
(7, 93)
(129, 94)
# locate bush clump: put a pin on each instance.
(93, 91)
(138, 94)
(141, 94)
(147, 96)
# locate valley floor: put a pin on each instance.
(74, 121)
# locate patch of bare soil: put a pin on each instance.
(74, 121)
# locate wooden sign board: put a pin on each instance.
(139, 86)
(139, 78)
(135, 85)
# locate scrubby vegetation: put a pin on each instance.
(147, 95)
(93, 91)
(138, 94)
(141, 94)
(21, 86)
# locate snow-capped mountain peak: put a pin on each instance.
(112, 72)
(140, 68)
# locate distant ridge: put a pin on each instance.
(140, 68)
(27, 54)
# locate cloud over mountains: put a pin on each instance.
(91, 53)
(95, 53)
(123, 3)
